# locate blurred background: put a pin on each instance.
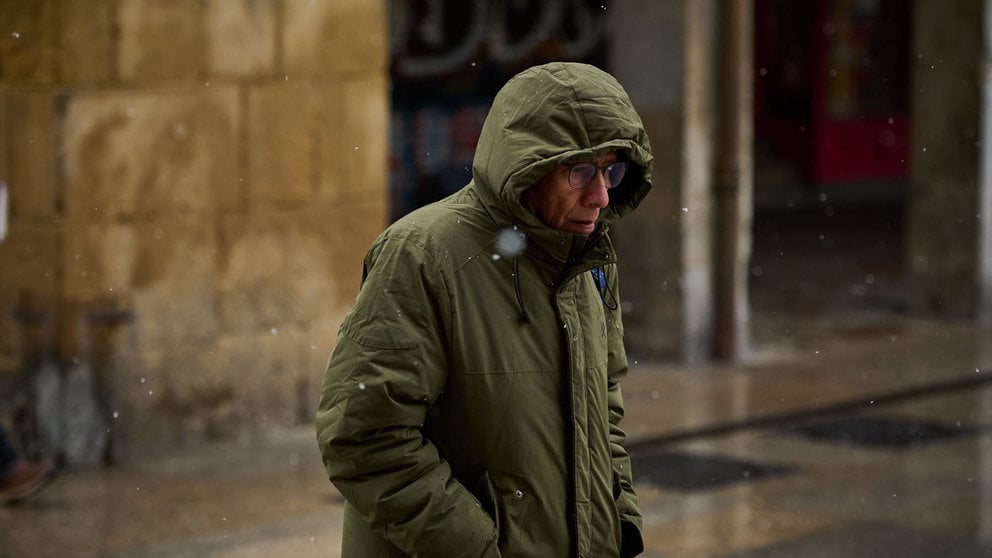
(188, 187)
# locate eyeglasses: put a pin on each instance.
(581, 175)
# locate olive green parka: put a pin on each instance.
(472, 405)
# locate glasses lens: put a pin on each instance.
(615, 173)
(581, 174)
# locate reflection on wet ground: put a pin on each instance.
(907, 479)
(852, 430)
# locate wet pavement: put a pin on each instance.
(851, 430)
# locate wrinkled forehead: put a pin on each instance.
(603, 157)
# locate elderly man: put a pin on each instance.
(472, 404)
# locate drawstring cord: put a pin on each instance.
(599, 276)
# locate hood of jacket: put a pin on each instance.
(548, 115)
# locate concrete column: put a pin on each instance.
(734, 184)
(947, 238)
(649, 56)
(697, 176)
(687, 67)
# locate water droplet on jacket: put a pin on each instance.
(510, 243)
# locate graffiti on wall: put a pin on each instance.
(438, 37)
(448, 59)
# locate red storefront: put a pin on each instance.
(831, 87)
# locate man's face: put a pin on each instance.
(565, 208)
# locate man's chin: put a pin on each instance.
(584, 228)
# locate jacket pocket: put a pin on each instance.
(617, 494)
(509, 504)
(487, 497)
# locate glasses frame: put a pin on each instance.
(604, 169)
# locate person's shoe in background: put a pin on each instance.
(23, 479)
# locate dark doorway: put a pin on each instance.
(831, 161)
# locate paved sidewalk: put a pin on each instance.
(274, 500)
(833, 364)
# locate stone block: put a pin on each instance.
(173, 277)
(276, 271)
(156, 278)
(319, 340)
(100, 260)
(28, 293)
(237, 387)
(354, 143)
(346, 232)
(160, 40)
(262, 370)
(28, 41)
(332, 39)
(85, 46)
(281, 130)
(240, 38)
(28, 259)
(132, 154)
(31, 122)
(156, 395)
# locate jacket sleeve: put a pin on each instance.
(631, 522)
(388, 367)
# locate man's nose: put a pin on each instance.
(597, 192)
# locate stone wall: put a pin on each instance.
(193, 184)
